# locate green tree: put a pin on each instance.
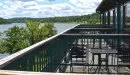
(3, 21)
(15, 41)
(90, 18)
(51, 29)
(37, 32)
(33, 31)
(20, 38)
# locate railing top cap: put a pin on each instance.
(8, 72)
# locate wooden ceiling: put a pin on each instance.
(106, 5)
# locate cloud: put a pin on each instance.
(85, 4)
(32, 8)
(33, 0)
(3, 6)
(23, 0)
(46, 0)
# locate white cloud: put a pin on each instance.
(96, 1)
(31, 8)
(45, 0)
(85, 4)
(33, 0)
(3, 6)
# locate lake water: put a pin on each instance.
(59, 26)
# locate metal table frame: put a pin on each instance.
(99, 52)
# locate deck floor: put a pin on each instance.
(81, 69)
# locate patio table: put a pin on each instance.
(99, 52)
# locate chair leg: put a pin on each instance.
(71, 68)
(84, 69)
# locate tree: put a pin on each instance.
(33, 31)
(50, 28)
(20, 38)
(67, 19)
(15, 41)
(37, 32)
(3, 21)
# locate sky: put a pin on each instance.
(46, 8)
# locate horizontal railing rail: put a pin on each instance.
(98, 36)
(93, 28)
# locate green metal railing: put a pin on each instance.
(45, 56)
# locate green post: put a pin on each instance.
(104, 19)
(100, 18)
(119, 27)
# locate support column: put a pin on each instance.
(103, 19)
(114, 17)
(100, 18)
(108, 18)
(119, 27)
(124, 16)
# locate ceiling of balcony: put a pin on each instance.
(106, 5)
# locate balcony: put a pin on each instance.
(83, 49)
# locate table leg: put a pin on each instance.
(99, 62)
(107, 69)
(100, 43)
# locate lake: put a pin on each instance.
(59, 26)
